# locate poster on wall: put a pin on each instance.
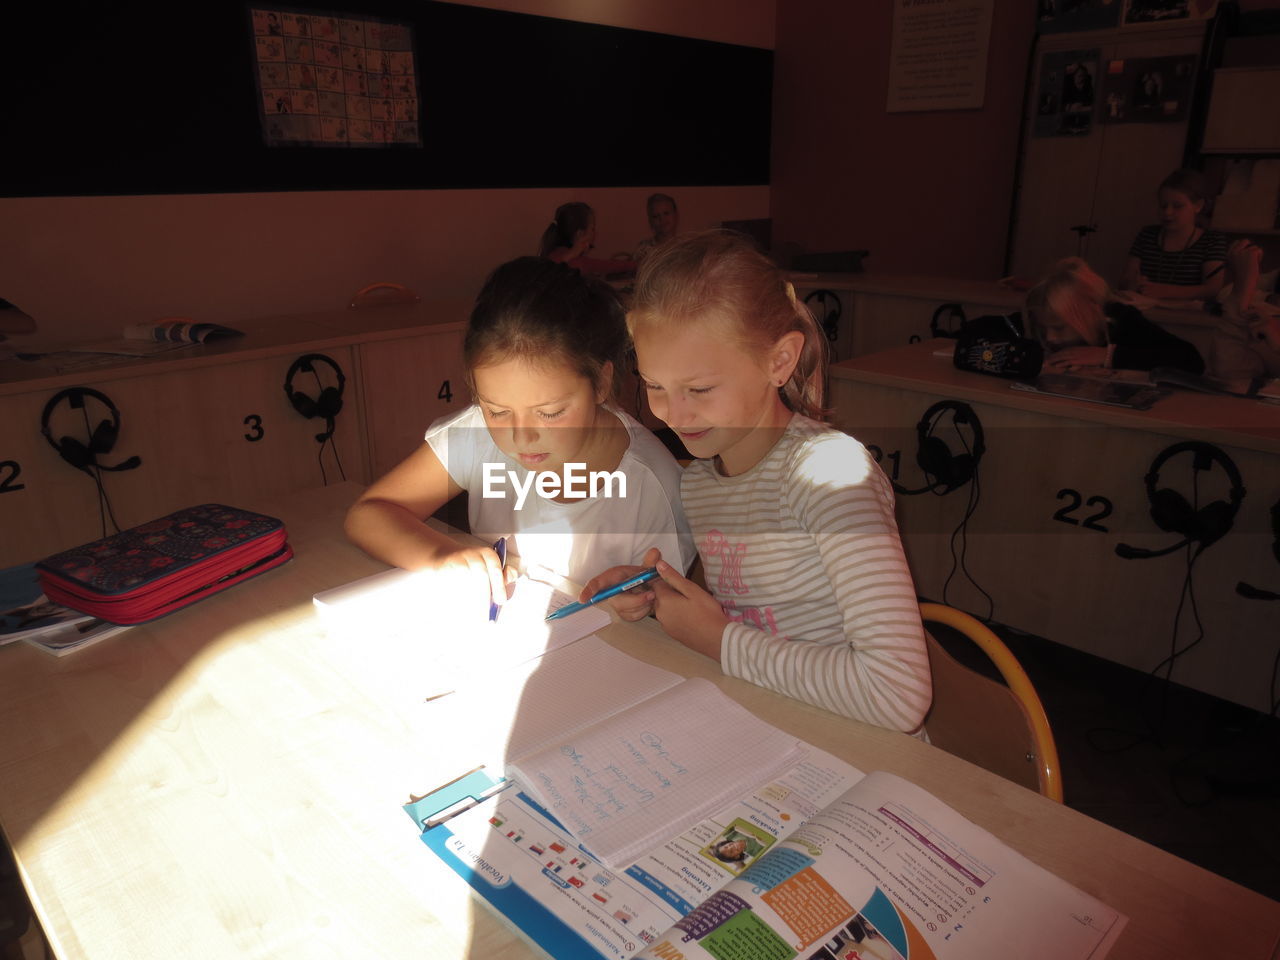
(1065, 95)
(327, 80)
(1150, 11)
(938, 57)
(1063, 16)
(1147, 89)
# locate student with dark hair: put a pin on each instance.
(542, 349)
(1177, 259)
(570, 237)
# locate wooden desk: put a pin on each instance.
(226, 782)
(1063, 580)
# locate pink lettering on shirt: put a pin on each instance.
(759, 617)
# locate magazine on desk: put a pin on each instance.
(807, 857)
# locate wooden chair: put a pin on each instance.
(382, 293)
(1001, 728)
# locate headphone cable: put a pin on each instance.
(962, 530)
(332, 425)
(95, 474)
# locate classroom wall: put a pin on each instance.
(927, 192)
(86, 266)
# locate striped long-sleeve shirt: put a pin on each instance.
(802, 552)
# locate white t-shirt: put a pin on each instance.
(576, 539)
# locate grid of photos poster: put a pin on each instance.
(328, 80)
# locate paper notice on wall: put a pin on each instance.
(938, 60)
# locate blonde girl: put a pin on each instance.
(1084, 326)
(808, 590)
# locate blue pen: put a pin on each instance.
(606, 593)
(500, 548)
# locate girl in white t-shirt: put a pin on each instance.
(541, 351)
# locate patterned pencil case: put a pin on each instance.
(157, 567)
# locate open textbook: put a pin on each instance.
(794, 854)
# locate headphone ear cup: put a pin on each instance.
(1212, 522)
(934, 458)
(304, 404)
(330, 403)
(1171, 512)
(75, 453)
(960, 469)
(104, 437)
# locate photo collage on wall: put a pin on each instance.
(335, 81)
(1147, 89)
(1063, 16)
(1065, 95)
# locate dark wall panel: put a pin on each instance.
(160, 98)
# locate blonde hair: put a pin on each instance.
(1073, 294)
(720, 275)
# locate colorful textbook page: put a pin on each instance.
(814, 861)
(529, 868)
(889, 872)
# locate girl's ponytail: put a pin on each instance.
(805, 391)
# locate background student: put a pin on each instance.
(570, 237)
(541, 351)
(1177, 259)
(810, 594)
(1083, 325)
(664, 221)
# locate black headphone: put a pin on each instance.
(1171, 511)
(102, 438)
(832, 309)
(952, 310)
(1256, 593)
(328, 405)
(943, 470)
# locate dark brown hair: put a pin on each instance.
(545, 312)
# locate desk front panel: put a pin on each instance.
(407, 384)
(1056, 496)
(224, 434)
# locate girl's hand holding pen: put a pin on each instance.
(632, 605)
(480, 562)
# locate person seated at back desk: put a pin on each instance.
(1177, 259)
(1083, 325)
(570, 237)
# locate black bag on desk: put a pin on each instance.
(995, 345)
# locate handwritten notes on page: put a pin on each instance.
(624, 785)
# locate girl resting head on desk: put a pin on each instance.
(570, 237)
(541, 350)
(1084, 326)
(1177, 259)
(809, 593)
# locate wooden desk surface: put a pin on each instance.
(263, 337)
(226, 782)
(1232, 421)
